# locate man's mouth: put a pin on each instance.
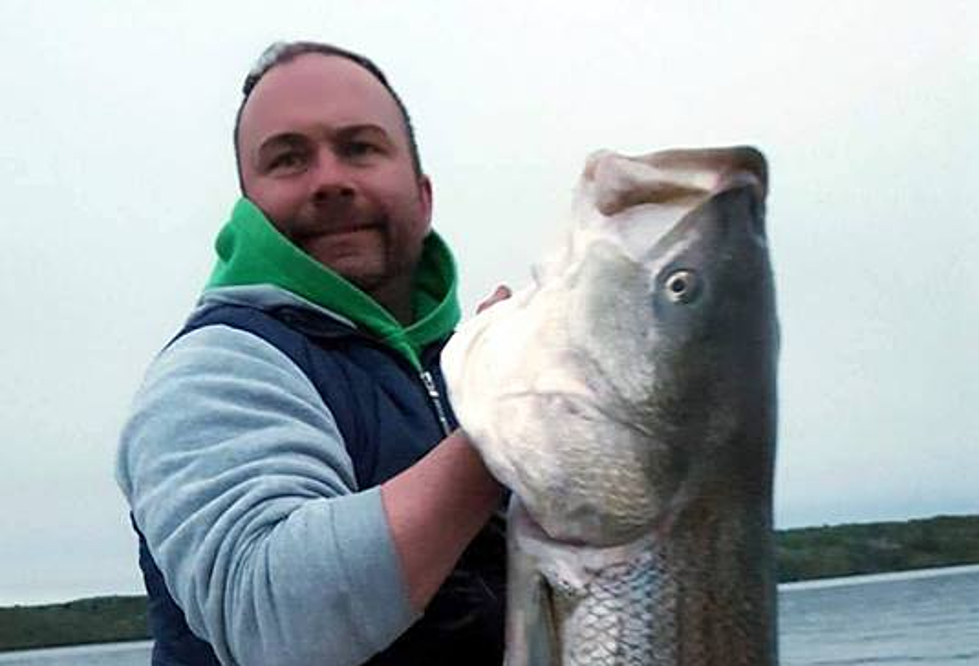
(347, 230)
(327, 228)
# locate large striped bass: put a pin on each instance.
(628, 399)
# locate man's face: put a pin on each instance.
(325, 155)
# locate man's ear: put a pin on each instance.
(425, 197)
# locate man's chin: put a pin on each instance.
(362, 260)
(357, 271)
(366, 282)
(355, 255)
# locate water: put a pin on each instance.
(106, 654)
(922, 618)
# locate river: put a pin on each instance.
(920, 618)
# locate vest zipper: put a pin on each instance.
(436, 398)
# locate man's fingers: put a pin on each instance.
(501, 294)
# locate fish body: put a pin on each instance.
(628, 399)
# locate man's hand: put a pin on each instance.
(501, 294)
(436, 506)
(434, 509)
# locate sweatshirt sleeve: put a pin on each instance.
(239, 480)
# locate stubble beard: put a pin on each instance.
(372, 258)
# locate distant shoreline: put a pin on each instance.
(882, 577)
(805, 556)
(812, 553)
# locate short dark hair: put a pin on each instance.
(280, 53)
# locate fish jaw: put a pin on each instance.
(535, 424)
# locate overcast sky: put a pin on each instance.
(116, 170)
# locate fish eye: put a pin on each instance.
(682, 286)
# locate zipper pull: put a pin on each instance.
(436, 398)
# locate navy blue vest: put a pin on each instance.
(388, 422)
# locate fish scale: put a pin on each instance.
(612, 624)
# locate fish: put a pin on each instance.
(627, 397)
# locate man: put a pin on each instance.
(299, 490)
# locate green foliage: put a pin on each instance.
(97, 620)
(844, 550)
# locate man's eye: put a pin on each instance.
(361, 148)
(287, 162)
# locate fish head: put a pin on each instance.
(635, 376)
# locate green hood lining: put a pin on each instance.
(252, 251)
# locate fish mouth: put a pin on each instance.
(679, 177)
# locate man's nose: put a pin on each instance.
(332, 177)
